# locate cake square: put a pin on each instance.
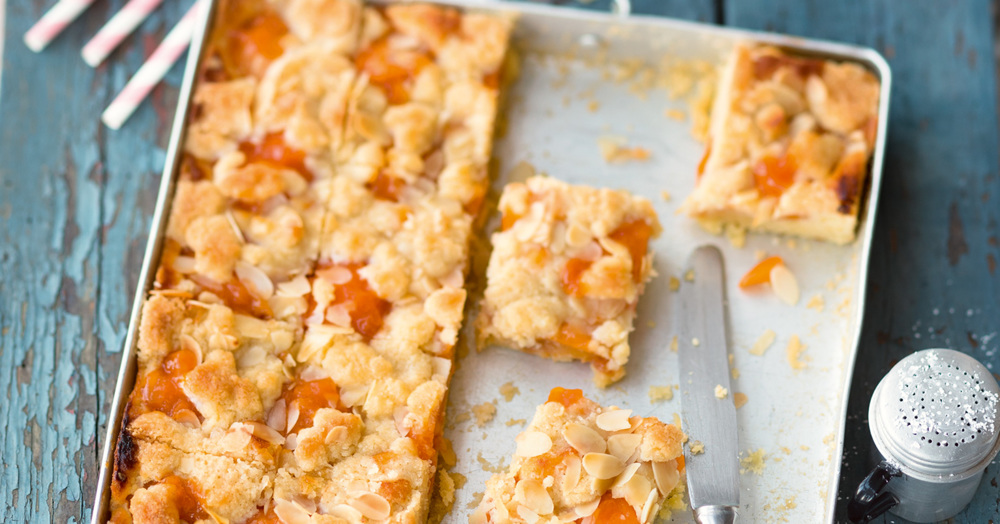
(567, 269)
(578, 460)
(788, 146)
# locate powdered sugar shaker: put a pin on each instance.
(933, 421)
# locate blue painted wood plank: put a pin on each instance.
(933, 266)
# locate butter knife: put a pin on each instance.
(708, 413)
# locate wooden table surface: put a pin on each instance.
(76, 199)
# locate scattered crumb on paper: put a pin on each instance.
(759, 254)
(488, 466)
(673, 344)
(447, 452)
(763, 342)
(695, 342)
(593, 106)
(484, 413)
(697, 448)
(665, 195)
(721, 392)
(661, 393)
(675, 114)
(753, 462)
(509, 391)
(517, 422)
(689, 275)
(735, 373)
(794, 353)
(816, 302)
(616, 151)
(675, 283)
(737, 235)
(740, 399)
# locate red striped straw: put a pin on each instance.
(53, 22)
(113, 32)
(153, 70)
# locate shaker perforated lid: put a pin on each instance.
(935, 415)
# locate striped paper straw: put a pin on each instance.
(53, 22)
(113, 32)
(153, 70)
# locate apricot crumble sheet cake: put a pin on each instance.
(580, 462)
(567, 269)
(295, 353)
(788, 147)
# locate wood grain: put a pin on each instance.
(75, 202)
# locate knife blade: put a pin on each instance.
(713, 475)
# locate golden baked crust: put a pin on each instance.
(566, 272)
(311, 286)
(577, 459)
(788, 148)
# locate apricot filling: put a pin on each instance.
(566, 397)
(235, 296)
(392, 70)
(251, 47)
(189, 504)
(366, 308)
(761, 273)
(275, 151)
(308, 397)
(634, 235)
(612, 511)
(773, 175)
(160, 390)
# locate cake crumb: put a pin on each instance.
(673, 344)
(650, 324)
(689, 275)
(737, 235)
(675, 283)
(785, 450)
(444, 495)
(593, 106)
(816, 302)
(735, 373)
(484, 413)
(615, 151)
(447, 452)
(804, 447)
(695, 342)
(677, 420)
(794, 353)
(740, 400)
(759, 254)
(477, 498)
(509, 391)
(721, 392)
(697, 448)
(665, 195)
(488, 466)
(675, 114)
(660, 393)
(516, 422)
(753, 462)
(762, 343)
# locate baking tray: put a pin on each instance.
(564, 99)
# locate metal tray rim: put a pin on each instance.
(865, 55)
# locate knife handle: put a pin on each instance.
(715, 514)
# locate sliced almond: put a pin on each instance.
(291, 513)
(346, 512)
(335, 275)
(614, 420)
(236, 227)
(266, 433)
(255, 280)
(338, 315)
(624, 445)
(188, 418)
(571, 477)
(587, 509)
(532, 443)
(305, 502)
(293, 414)
(440, 368)
(291, 441)
(763, 342)
(277, 417)
(532, 494)
(527, 514)
(591, 251)
(584, 439)
(296, 287)
(189, 343)
(184, 265)
(626, 475)
(784, 284)
(336, 434)
(372, 505)
(637, 489)
(602, 465)
(250, 357)
(647, 508)
(353, 396)
(311, 373)
(666, 476)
